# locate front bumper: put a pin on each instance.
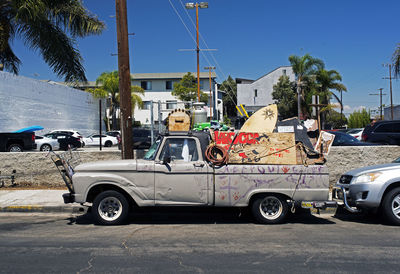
(356, 196)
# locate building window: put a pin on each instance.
(201, 84)
(168, 85)
(255, 93)
(146, 85)
(146, 104)
(171, 104)
(284, 72)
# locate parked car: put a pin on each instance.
(371, 188)
(17, 142)
(356, 132)
(46, 144)
(116, 134)
(383, 132)
(71, 132)
(65, 140)
(142, 137)
(344, 139)
(94, 140)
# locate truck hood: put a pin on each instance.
(384, 167)
(114, 165)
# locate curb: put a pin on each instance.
(44, 209)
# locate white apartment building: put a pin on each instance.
(255, 94)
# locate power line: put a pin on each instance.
(193, 38)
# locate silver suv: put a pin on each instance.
(372, 187)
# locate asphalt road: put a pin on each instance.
(197, 241)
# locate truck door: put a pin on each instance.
(180, 173)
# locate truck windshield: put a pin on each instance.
(151, 154)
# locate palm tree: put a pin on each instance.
(51, 27)
(305, 68)
(107, 86)
(326, 81)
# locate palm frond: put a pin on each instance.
(396, 61)
(56, 47)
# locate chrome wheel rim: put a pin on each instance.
(271, 208)
(46, 148)
(110, 208)
(15, 149)
(396, 206)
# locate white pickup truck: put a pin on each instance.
(174, 172)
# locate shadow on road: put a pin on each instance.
(199, 216)
(362, 217)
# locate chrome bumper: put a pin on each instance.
(339, 194)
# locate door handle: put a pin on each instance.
(198, 164)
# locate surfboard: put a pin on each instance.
(263, 120)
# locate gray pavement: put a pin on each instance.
(41, 200)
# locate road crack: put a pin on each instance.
(89, 265)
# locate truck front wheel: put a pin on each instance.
(110, 208)
(391, 206)
(269, 209)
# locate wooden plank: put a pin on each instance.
(263, 148)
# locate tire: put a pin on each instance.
(108, 144)
(15, 148)
(110, 208)
(391, 206)
(45, 147)
(269, 209)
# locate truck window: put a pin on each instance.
(183, 149)
(151, 154)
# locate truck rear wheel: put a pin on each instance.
(269, 209)
(391, 206)
(110, 208)
(15, 148)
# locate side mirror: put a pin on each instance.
(166, 160)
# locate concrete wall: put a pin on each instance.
(264, 86)
(26, 102)
(35, 169)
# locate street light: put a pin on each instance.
(202, 5)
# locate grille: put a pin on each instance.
(345, 179)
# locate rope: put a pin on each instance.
(213, 151)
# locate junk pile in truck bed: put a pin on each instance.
(261, 140)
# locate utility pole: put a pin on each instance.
(380, 100)
(124, 79)
(209, 76)
(390, 81)
(202, 5)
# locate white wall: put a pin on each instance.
(26, 102)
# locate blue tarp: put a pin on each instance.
(29, 129)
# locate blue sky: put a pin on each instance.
(253, 37)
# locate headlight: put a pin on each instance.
(367, 177)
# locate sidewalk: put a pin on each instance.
(36, 201)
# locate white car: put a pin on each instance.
(46, 144)
(94, 140)
(356, 132)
